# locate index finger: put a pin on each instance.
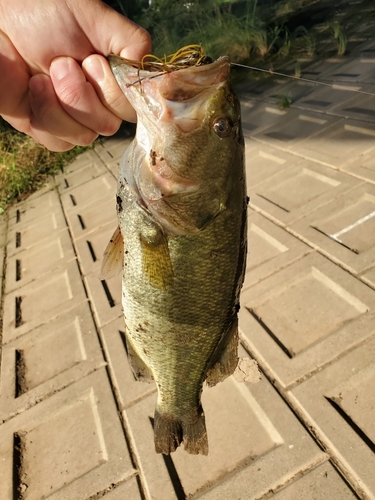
(99, 74)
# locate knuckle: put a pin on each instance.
(86, 139)
(70, 95)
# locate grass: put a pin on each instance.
(26, 165)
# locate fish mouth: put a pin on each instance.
(179, 96)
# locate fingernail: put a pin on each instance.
(60, 67)
(94, 67)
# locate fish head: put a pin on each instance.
(189, 153)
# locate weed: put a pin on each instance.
(339, 36)
(25, 165)
(284, 101)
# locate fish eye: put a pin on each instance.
(223, 127)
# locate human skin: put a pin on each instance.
(55, 82)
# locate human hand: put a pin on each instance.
(55, 83)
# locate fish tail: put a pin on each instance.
(171, 432)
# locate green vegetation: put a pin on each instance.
(252, 31)
(25, 165)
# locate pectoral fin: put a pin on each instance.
(156, 261)
(113, 257)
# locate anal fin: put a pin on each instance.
(226, 358)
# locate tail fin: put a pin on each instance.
(169, 433)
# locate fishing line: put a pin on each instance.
(331, 85)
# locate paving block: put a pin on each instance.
(42, 300)
(357, 70)
(112, 149)
(257, 116)
(251, 90)
(47, 359)
(340, 401)
(114, 167)
(91, 248)
(24, 235)
(73, 176)
(328, 99)
(83, 160)
(70, 446)
(319, 484)
(129, 390)
(299, 190)
(297, 126)
(270, 248)
(305, 316)
(369, 276)
(345, 228)
(264, 162)
(128, 490)
(344, 140)
(319, 69)
(362, 165)
(32, 263)
(85, 219)
(97, 190)
(253, 439)
(34, 208)
(106, 296)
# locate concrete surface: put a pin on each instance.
(76, 425)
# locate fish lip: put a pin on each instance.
(215, 72)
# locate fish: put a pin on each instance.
(181, 240)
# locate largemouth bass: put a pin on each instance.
(181, 206)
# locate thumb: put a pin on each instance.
(112, 33)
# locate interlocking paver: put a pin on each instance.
(257, 116)
(306, 316)
(91, 248)
(296, 126)
(340, 402)
(344, 228)
(106, 296)
(69, 446)
(129, 389)
(264, 162)
(319, 484)
(270, 248)
(100, 188)
(249, 429)
(73, 177)
(43, 257)
(83, 220)
(113, 148)
(47, 359)
(26, 234)
(128, 490)
(362, 166)
(299, 190)
(40, 301)
(34, 208)
(345, 139)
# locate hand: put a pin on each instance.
(55, 83)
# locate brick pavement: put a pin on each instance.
(75, 424)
